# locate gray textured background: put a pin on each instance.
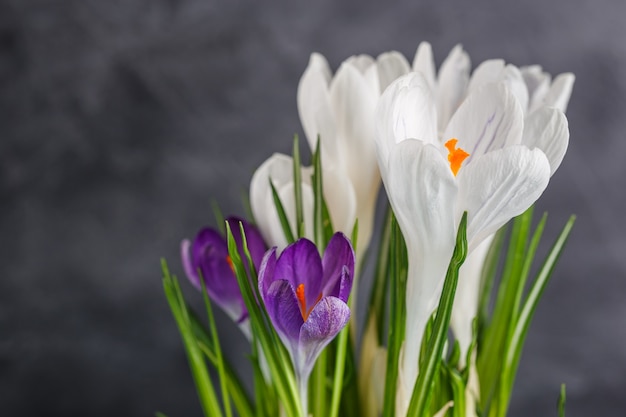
(121, 119)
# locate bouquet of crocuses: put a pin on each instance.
(460, 155)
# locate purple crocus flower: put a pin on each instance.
(305, 297)
(209, 254)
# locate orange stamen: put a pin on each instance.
(456, 156)
(302, 302)
(230, 263)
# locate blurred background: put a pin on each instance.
(120, 120)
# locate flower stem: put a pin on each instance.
(303, 387)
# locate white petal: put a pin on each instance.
(405, 110)
(547, 129)
(425, 63)
(314, 105)
(361, 62)
(354, 106)
(537, 83)
(452, 84)
(513, 79)
(340, 199)
(499, 186)
(560, 91)
(371, 77)
(278, 168)
(422, 193)
(490, 118)
(487, 72)
(391, 65)
(494, 70)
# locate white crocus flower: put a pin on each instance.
(480, 166)
(341, 111)
(279, 169)
(545, 127)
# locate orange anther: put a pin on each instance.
(456, 156)
(301, 301)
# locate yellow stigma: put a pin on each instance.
(456, 156)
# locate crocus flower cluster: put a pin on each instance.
(444, 143)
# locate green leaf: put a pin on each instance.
(282, 215)
(458, 392)
(492, 345)
(430, 367)
(204, 386)
(318, 192)
(219, 217)
(219, 358)
(487, 278)
(322, 224)
(277, 358)
(340, 365)
(561, 403)
(238, 393)
(247, 207)
(514, 348)
(397, 273)
(297, 186)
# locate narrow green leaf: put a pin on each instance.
(430, 367)
(355, 235)
(275, 353)
(561, 403)
(159, 414)
(378, 295)
(282, 215)
(397, 273)
(216, 347)
(318, 192)
(514, 351)
(247, 207)
(297, 186)
(318, 385)
(487, 278)
(204, 386)
(340, 364)
(495, 335)
(219, 217)
(458, 392)
(238, 393)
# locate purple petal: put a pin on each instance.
(338, 264)
(256, 245)
(300, 263)
(284, 311)
(345, 284)
(209, 254)
(190, 270)
(326, 320)
(266, 271)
